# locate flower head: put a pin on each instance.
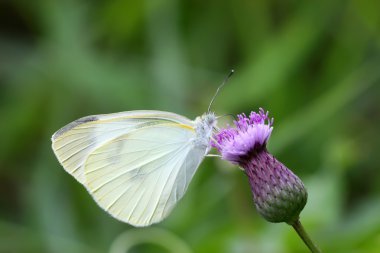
(249, 134)
(279, 195)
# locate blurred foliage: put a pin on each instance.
(315, 65)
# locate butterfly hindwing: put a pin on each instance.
(138, 177)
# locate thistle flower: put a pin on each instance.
(279, 195)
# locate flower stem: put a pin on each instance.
(305, 237)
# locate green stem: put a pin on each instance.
(305, 237)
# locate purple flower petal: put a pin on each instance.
(247, 134)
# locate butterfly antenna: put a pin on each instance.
(220, 86)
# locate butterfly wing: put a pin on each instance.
(73, 143)
(138, 177)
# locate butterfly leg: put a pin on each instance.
(213, 155)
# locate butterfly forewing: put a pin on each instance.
(73, 143)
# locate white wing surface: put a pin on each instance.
(73, 143)
(140, 176)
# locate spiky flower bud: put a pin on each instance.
(279, 195)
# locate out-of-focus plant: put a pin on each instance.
(314, 64)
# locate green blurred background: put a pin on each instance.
(314, 65)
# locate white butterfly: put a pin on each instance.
(136, 165)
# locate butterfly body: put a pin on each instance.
(136, 165)
(204, 126)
